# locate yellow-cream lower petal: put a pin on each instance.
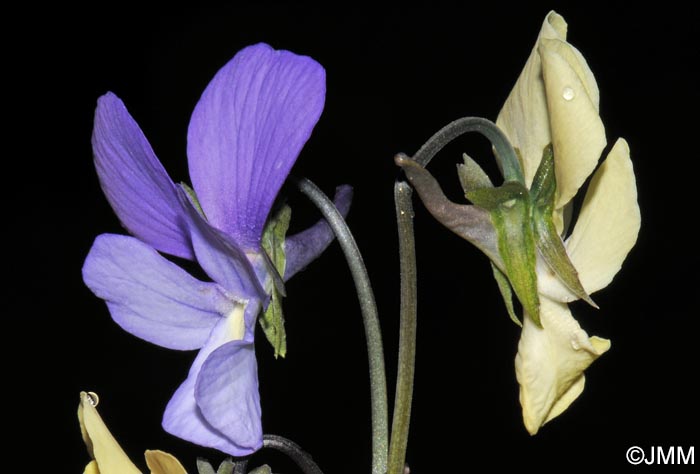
(549, 284)
(92, 468)
(550, 363)
(160, 462)
(609, 222)
(110, 457)
(567, 398)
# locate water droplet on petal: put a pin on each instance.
(93, 398)
(568, 93)
(574, 344)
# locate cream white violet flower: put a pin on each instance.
(555, 100)
(551, 119)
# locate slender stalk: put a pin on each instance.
(377, 376)
(407, 331)
(240, 467)
(505, 154)
(291, 449)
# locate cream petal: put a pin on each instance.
(567, 398)
(550, 363)
(555, 100)
(524, 117)
(110, 457)
(92, 468)
(549, 285)
(160, 462)
(605, 231)
(609, 222)
(600, 345)
(578, 135)
(558, 219)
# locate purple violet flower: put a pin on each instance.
(245, 133)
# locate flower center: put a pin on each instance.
(235, 322)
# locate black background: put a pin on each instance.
(394, 76)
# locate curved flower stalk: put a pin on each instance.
(554, 102)
(107, 456)
(245, 134)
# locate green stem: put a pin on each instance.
(505, 154)
(407, 332)
(291, 449)
(373, 333)
(240, 467)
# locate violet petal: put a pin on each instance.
(151, 297)
(135, 183)
(227, 395)
(304, 247)
(184, 418)
(219, 255)
(246, 132)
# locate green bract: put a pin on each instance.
(522, 221)
(272, 320)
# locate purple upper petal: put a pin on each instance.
(219, 256)
(151, 297)
(246, 132)
(135, 183)
(306, 246)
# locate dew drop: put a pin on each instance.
(568, 93)
(575, 345)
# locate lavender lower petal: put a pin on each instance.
(227, 395)
(183, 416)
(151, 297)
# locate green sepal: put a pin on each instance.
(504, 196)
(506, 293)
(508, 236)
(203, 467)
(549, 243)
(472, 176)
(544, 183)
(264, 469)
(226, 467)
(272, 320)
(516, 245)
(193, 197)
